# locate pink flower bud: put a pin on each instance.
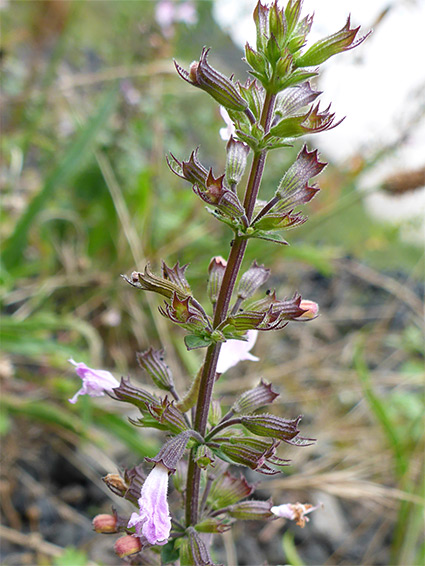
(127, 545)
(105, 524)
(311, 308)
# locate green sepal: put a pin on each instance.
(277, 24)
(251, 141)
(292, 15)
(272, 51)
(296, 77)
(256, 60)
(264, 78)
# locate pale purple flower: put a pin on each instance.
(186, 13)
(164, 13)
(294, 512)
(234, 351)
(95, 381)
(168, 12)
(229, 130)
(153, 520)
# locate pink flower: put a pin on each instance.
(167, 13)
(234, 351)
(153, 520)
(294, 512)
(229, 130)
(95, 381)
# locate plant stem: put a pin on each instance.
(229, 279)
(267, 208)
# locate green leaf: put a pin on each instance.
(193, 341)
(169, 553)
(68, 166)
(270, 237)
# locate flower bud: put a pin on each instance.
(152, 361)
(116, 484)
(130, 394)
(237, 153)
(255, 398)
(216, 270)
(205, 77)
(251, 510)
(210, 525)
(148, 281)
(251, 280)
(243, 453)
(342, 40)
(271, 426)
(127, 545)
(105, 524)
(204, 456)
(311, 310)
(277, 24)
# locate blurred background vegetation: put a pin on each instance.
(91, 106)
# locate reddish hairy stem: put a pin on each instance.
(229, 279)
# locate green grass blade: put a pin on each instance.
(290, 550)
(69, 165)
(381, 414)
(139, 444)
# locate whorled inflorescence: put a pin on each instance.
(206, 441)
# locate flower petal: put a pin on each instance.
(95, 381)
(234, 351)
(153, 521)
